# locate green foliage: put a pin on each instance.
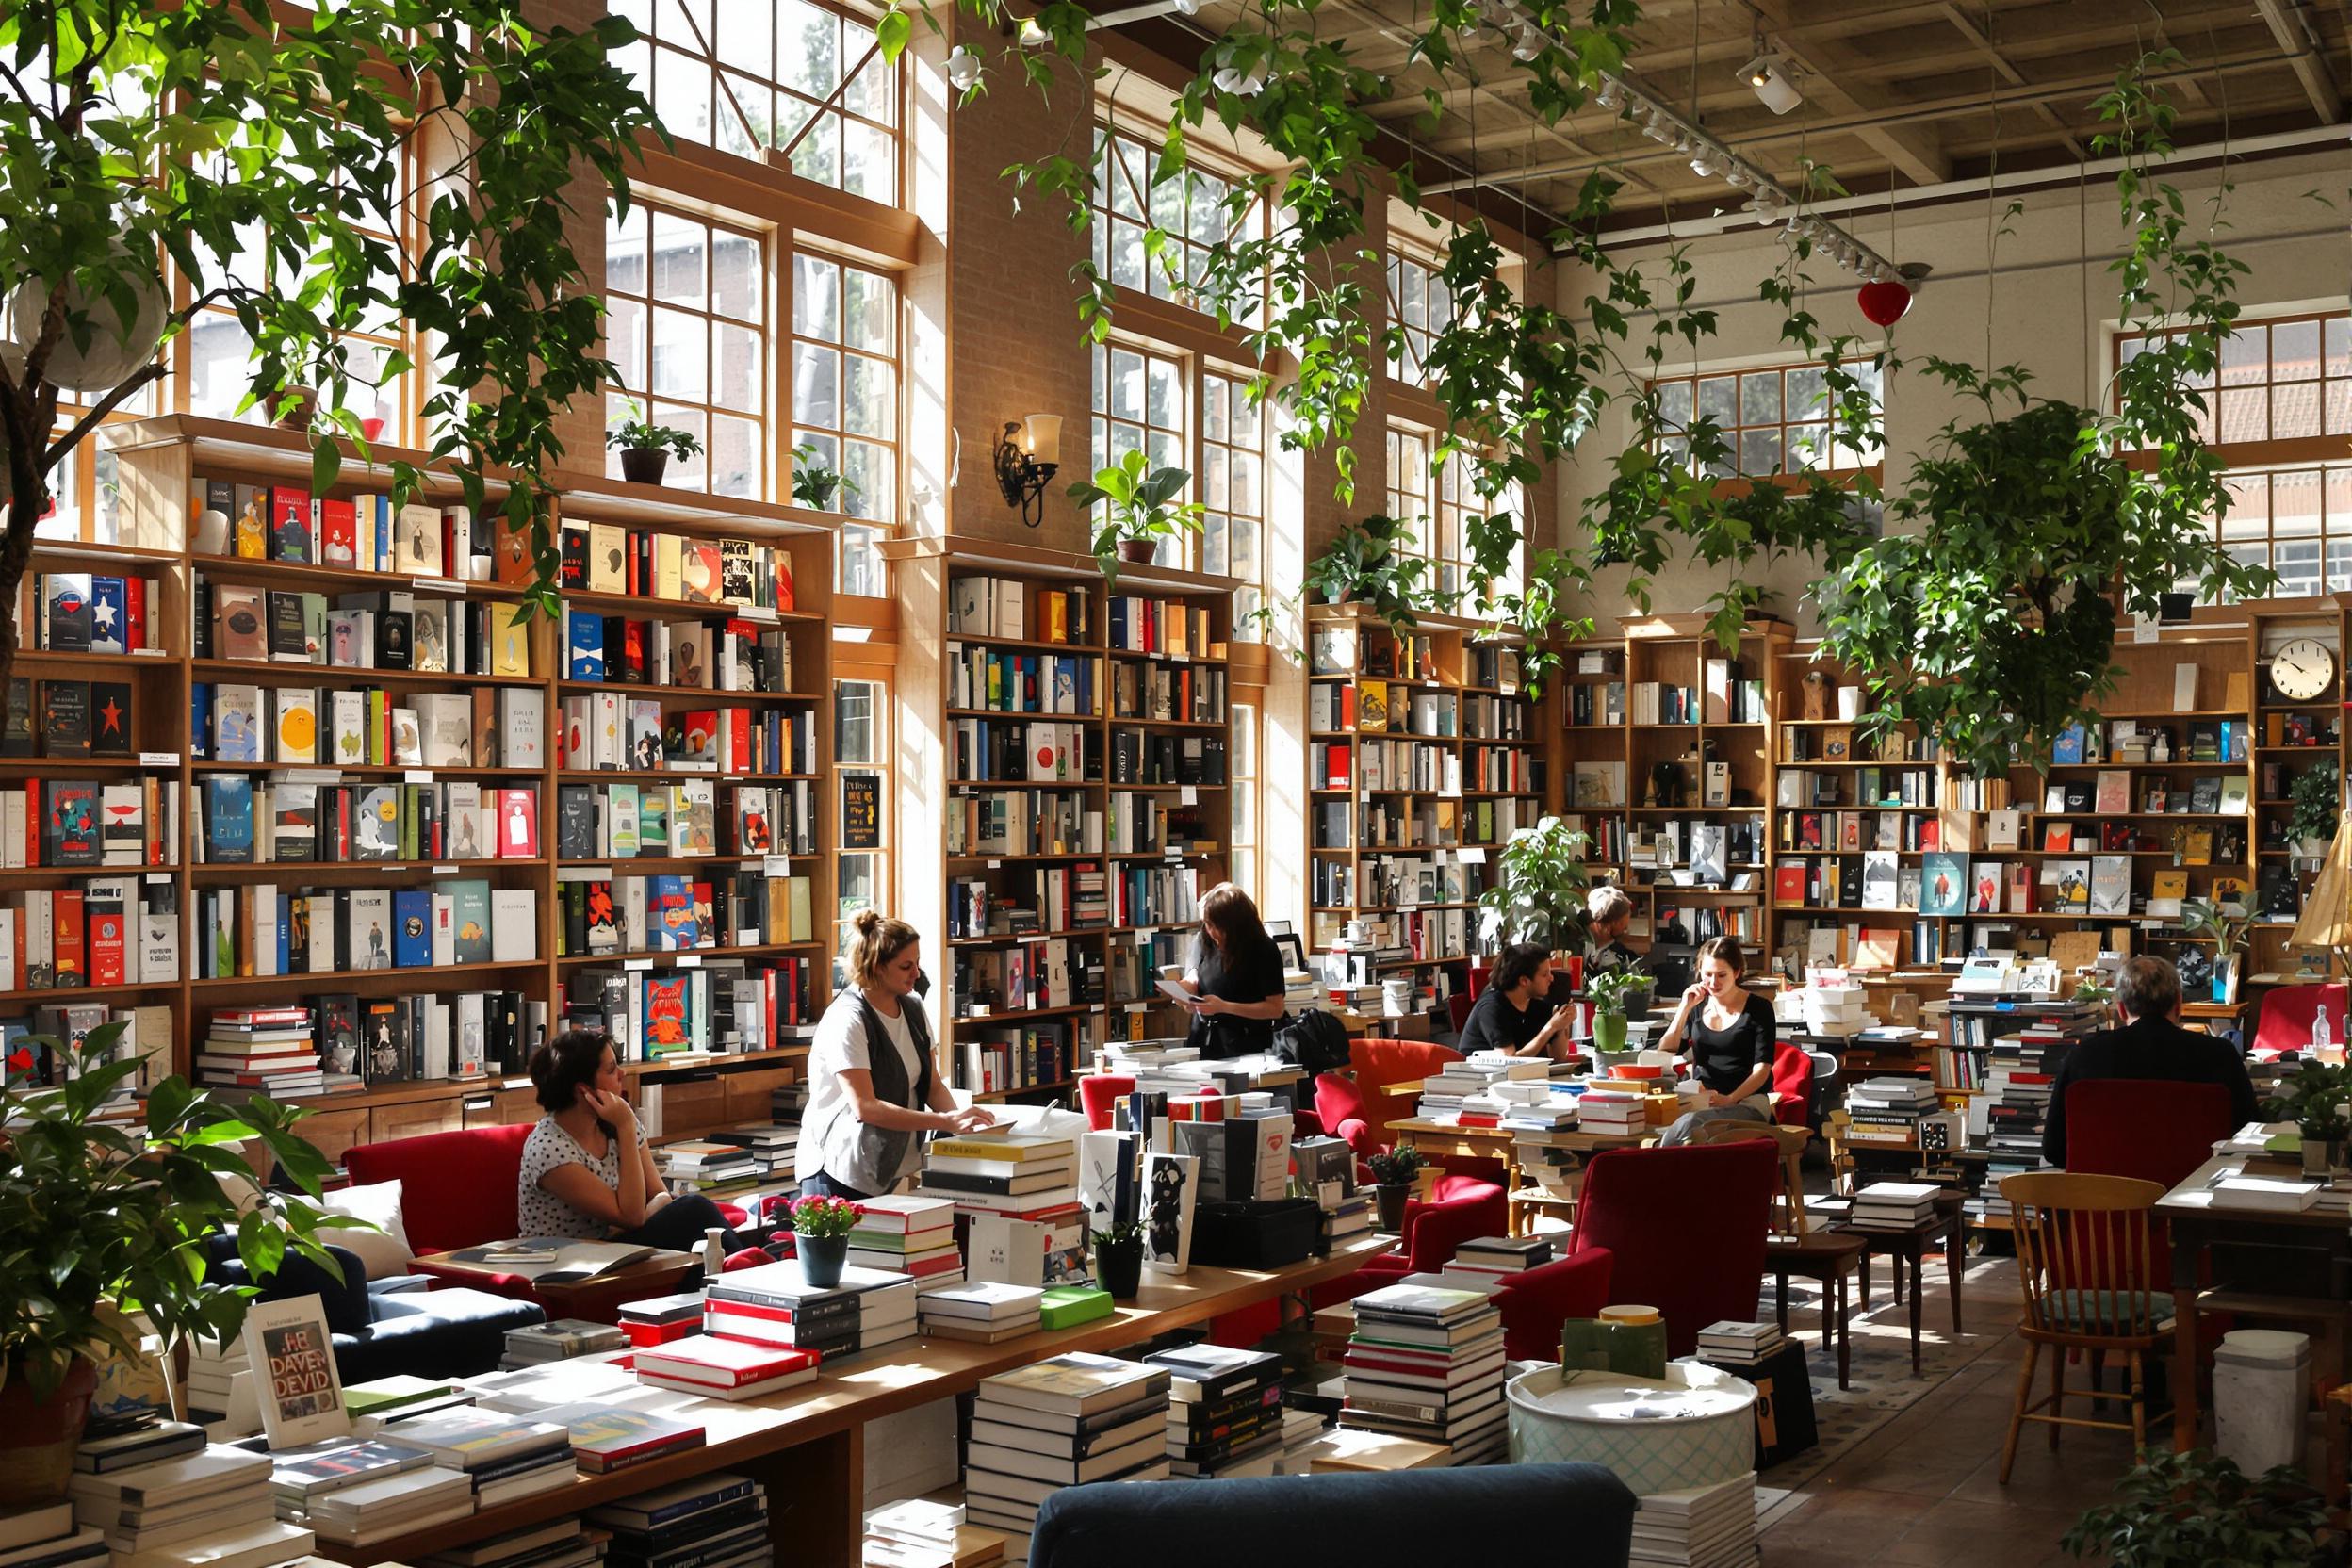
(1124, 1233)
(2202, 916)
(1363, 565)
(638, 434)
(814, 485)
(2313, 1100)
(1610, 990)
(1538, 894)
(258, 161)
(1396, 1169)
(1137, 502)
(103, 1214)
(2197, 1510)
(2318, 795)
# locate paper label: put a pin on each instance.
(639, 966)
(689, 960)
(1474, 854)
(437, 586)
(1187, 795)
(158, 759)
(418, 775)
(776, 865)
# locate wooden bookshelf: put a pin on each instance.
(160, 465)
(1057, 898)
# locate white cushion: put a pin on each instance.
(383, 1251)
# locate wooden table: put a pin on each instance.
(806, 1445)
(1497, 1143)
(1910, 1246)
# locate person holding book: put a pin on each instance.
(1608, 914)
(2150, 1044)
(1514, 1013)
(587, 1171)
(1730, 1034)
(872, 1092)
(1234, 987)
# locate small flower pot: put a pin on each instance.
(822, 1259)
(38, 1436)
(643, 465)
(1139, 552)
(1608, 1031)
(2322, 1155)
(294, 408)
(1119, 1268)
(1392, 1201)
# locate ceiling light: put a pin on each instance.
(1737, 176)
(1768, 76)
(1655, 129)
(1608, 96)
(1532, 43)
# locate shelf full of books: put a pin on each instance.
(1081, 783)
(305, 785)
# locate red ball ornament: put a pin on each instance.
(1884, 303)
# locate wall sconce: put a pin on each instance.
(1026, 457)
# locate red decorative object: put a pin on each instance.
(1884, 303)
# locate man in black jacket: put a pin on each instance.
(2151, 1044)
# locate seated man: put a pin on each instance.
(1513, 1013)
(2151, 1044)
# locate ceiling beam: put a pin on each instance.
(2010, 74)
(1914, 150)
(2291, 24)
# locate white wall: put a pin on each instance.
(2043, 307)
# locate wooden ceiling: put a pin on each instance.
(1912, 91)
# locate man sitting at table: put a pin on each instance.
(1514, 1013)
(2151, 1044)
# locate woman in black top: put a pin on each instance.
(1730, 1034)
(1236, 977)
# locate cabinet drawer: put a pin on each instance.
(416, 1116)
(504, 1107)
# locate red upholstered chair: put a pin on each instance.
(1305, 1122)
(1099, 1091)
(2285, 1020)
(1793, 1080)
(1536, 1303)
(1458, 1209)
(1458, 1009)
(1687, 1226)
(2148, 1129)
(1346, 1114)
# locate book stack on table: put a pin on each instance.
(1074, 1419)
(1014, 1192)
(715, 1521)
(48, 1537)
(919, 1533)
(1224, 1410)
(709, 1165)
(398, 1397)
(1893, 1207)
(507, 1456)
(774, 1146)
(607, 1437)
(1613, 1113)
(209, 1508)
(775, 1306)
(565, 1338)
(300, 1478)
(390, 1505)
(914, 1236)
(659, 1319)
(1495, 1259)
(719, 1367)
(1699, 1526)
(222, 1395)
(979, 1310)
(1426, 1363)
(886, 1305)
(557, 1543)
(1731, 1344)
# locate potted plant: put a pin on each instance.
(2197, 1510)
(1393, 1175)
(1610, 994)
(1118, 1258)
(646, 448)
(2095, 991)
(814, 485)
(2318, 804)
(820, 1227)
(1365, 566)
(2313, 1099)
(102, 1219)
(1539, 892)
(1139, 509)
(2230, 927)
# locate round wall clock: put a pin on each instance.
(2303, 670)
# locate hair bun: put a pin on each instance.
(867, 922)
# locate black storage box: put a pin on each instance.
(1265, 1232)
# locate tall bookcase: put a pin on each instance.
(1424, 755)
(161, 468)
(1072, 740)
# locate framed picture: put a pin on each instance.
(293, 1357)
(1170, 1188)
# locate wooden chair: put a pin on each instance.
(2086, 1269)
(1797, 1248)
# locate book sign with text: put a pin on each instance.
(293, 1357)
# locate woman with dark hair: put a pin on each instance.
(1514, 1012)
(871, 1090)
(1731, 1034)
(1235, 979)
(587, 1172)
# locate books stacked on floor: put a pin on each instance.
(1427, 1363)
(300, 1478)
(714, 1521)
(389, 1505)
(1071, 1419)
(212, 1507)
(909, 1235)
(724, 1367)
(271, 1050)
(1224, 1410)
(147, 1444)
(560, 1340)
(1497, 1258)
(221, 1397)
(979, 1310)
(1733, 1343)
(1612, 1112)
(507, 1456)
(709, 1165)
(774, 1146)
(1893, 1206)
(659, 1319)
(607, 1437)
(1697, 1527)
(400, 1395)
(886, 1305)
(50, 1537)
(557, 1543)
(775, 1306)
(919, 1533)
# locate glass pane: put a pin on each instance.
(625, 251)
(2338, 356)
(1808, 394)
(2245, 354)
(1760, 450)
(738, 280)
(2339, 566)
(741, 382)
(817, 385)
(818, 156)
(853, 716)
(746, 38)
(1245, 492)
(744, 112)
(874, 91)
(678, 246)
(861, 564)
(873, 470)
(1213, 408)
(1164, 403)
(868, 161)
(681, 348)
(1759, 398)
(1126, 242)
(2295, 350)
(817, 298)
(808, 48)
(1126, 384)
(1212, 550)
(1809, 445)
(2294, 504)
(1673, 403)
(691, 473)
(2295, 409)
(791, 115)
(861, 881)
(682, 93)
(2244, 412)
(869, 318)
(219, 368)
(869, 397)
(738, 466)
(2339, 409)
(1719, 400)
(2297, 565)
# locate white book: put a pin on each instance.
(514, 925)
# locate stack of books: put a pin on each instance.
(659, 1319)
(222, 1398)
(1443, 1095)
(1073, 1418)
(607, 1437)
(1224, 1410)
(774, 1146)
(714, 1521)
(1426, 1363)
(210, 1507)
(979, 1310)
(372, 1511)
(1731, 1344)
(48, 1535)
(1698, 1527)
(146, 1445)
(724, 1368)
(1497, 1258)
(1893, 1206)
(1303, 1432)
(1067, 1306)
(775, 1306)
(909, 1235)
(300, 1478)
(709, 1165)
(507, 1456)
(269, 1050)
(2285, 1195)
(886, 1305)
(1614, 1114)
(1888, 1110)
(565, 1338)
(1834, 1008)
(919, 1533)
(1002, 1183)
(558, 1543)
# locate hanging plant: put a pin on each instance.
(1365, 566)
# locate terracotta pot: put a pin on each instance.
(822, 1259)
(1141, 552)
(294, 408)
(38, 1437)
(643, 465)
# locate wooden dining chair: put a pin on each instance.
(2086, 1269)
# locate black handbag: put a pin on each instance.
(1263, 1232)
(1314, 1041)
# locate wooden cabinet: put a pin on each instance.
(413, 1119)
(333, 1132)
(500, 1108)
(748, 1093)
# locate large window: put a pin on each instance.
(1410, 462)
(1195, 210)
(1138, 405)
(2297, 522)
(1246, 866)
(861, 751)
(687, 328)
(1232, 488)
(845, 391)
(1421, 306)
(1458, 502)
(1775, 420)
(2281, 380)
(749, 76)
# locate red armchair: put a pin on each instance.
(2285, 1020)
(1099, 1091)
(1536, 1303)
(2153, 1130)
(1687, 1226)
(1347, 1114)
(1793, 1080)
(1458, 1209)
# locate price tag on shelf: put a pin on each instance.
(418, 775)
(689, 960)
(1143, 933)
(584, 874)
(444, 868)
(2144, 630)
(1187, 795)
(776, 865)
(637, 966)
(996, 865)
(755, 612)
(1138, 1007)
(1034, 936)
(1474, 854)
(149, 653)
(158, 876)
(158, 759)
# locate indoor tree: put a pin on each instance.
(160, 160)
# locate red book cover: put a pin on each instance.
(66, 907)
(1788, 884)
(135, 612)
(701, 730)
(633, 651)
(723, 1363)
(737, 739)
(105, 947)
(784, 599)
(518, 825)
(339, 528)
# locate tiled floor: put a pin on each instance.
(1923, 1491)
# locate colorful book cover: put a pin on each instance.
(229, 819)
(338, 531)
(110, 718)
(586, 640)
(666, 1008)
(412, 929)
(672, 904)
(289, 524)
(736, 585)
(109, 615)
(1943, 887)
(69, 830)
(469, 919)
(701, 572)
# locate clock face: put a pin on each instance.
(2303, 669)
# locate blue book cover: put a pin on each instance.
(229, 819)
(2068, 746)
(200, 723)
(672, 900)
(1943, 884)
(110, 614)
(286, 936)
(412, 929)
(586, 637)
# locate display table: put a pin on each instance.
(1949, 1224)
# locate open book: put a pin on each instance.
(552, 1260)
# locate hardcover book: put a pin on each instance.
(111, 725)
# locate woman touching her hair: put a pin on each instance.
(587, 1172)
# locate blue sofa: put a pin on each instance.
(1565, 1515)
(385, 1327)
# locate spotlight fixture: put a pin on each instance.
(1768, 76)
(1655, 129)
(1030, 34)
(1027, 455)
(1609, 95)
(1530, 45)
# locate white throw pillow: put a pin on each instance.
(383, 1251)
